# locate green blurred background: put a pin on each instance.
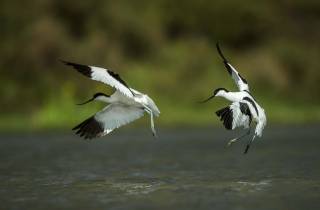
(163, 48)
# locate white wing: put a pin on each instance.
(241, 83)
(102, 75)
(236, 115)
(111, 117)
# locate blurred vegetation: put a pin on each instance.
(163, 48)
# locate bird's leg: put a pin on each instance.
(248, 145)
(236, 139)
(152, 126)
(152, 122)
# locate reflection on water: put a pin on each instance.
(136, 188)
(183, 169)
(241, 186)
(251, 187)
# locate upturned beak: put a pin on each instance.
(86, 101)
(211, 97)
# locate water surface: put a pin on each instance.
(182, 169)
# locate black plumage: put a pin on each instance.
(244, 108)
(87, 71)
(243, 79)
(84, 69)
(252, 103)
(90, 128)
(117, 77)
(225, 61)
(226, 115)
(228, 67)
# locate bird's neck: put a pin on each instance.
(231, 96)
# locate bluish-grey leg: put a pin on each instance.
(236, 139)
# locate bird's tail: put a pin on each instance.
(259, 128)
(153, 107)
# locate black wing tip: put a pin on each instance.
(68, 63)
(84, 69)
(62, 61)
(89, 129)
(225, 61)
(218, 47)
(220, 52)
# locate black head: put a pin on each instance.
(215, 92)
(219, 89)
(100, 94)
(95, 96)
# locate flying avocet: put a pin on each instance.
(124, 105)
(243, 108)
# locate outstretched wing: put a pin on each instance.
(241, 83)
(103, 75)
(111, 117)
(236, 115)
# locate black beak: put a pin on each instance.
(211, 97)
(86, 101)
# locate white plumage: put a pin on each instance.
(115, 115)
(239, 119)
(103, 75)
(239, 80)
(243, 110)
(125, 104)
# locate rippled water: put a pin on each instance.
(182, 169)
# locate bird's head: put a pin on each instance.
(96, 97)
(216, 92)
(220, 91)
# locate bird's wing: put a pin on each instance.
(236, 115)
(111, 117)
(241, 83)
(103, 75)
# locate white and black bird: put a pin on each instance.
(243, 110)
(124, 105)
